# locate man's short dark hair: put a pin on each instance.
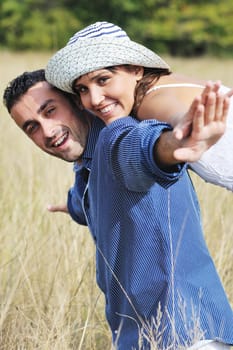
(20, 85)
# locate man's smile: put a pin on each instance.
(61, 140)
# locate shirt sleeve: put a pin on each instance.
(131, 154)
(74, 200)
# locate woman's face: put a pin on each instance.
(109, 93)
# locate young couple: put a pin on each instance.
(132, 188)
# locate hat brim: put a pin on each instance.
(85, 56)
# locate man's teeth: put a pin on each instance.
(60, 140)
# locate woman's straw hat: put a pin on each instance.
(97, 46)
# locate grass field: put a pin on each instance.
(48, 295)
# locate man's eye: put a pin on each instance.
(31, 128)
(50, 110)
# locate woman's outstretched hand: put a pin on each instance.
(204, 123)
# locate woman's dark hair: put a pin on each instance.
(150, 77)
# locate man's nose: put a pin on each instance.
(48, 128)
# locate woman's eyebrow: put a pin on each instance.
(93, 77)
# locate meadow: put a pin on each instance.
(48, 294)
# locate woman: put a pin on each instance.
(104, 67)
(160, 94)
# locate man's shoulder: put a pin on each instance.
(124, 121)
(124, 125)
(117, 128)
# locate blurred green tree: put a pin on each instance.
(179, 27)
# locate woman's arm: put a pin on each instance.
(201, 127)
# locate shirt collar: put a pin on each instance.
(95, 128)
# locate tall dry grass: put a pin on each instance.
(48, 295)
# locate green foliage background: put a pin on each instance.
(177, 27)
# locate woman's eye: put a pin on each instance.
(103, 80)
(80, 89)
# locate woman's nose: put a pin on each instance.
(96, 97)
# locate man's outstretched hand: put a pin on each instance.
(57, 208)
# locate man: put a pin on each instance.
(141, 209)
(52, 120)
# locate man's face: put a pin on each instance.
(51, 122)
